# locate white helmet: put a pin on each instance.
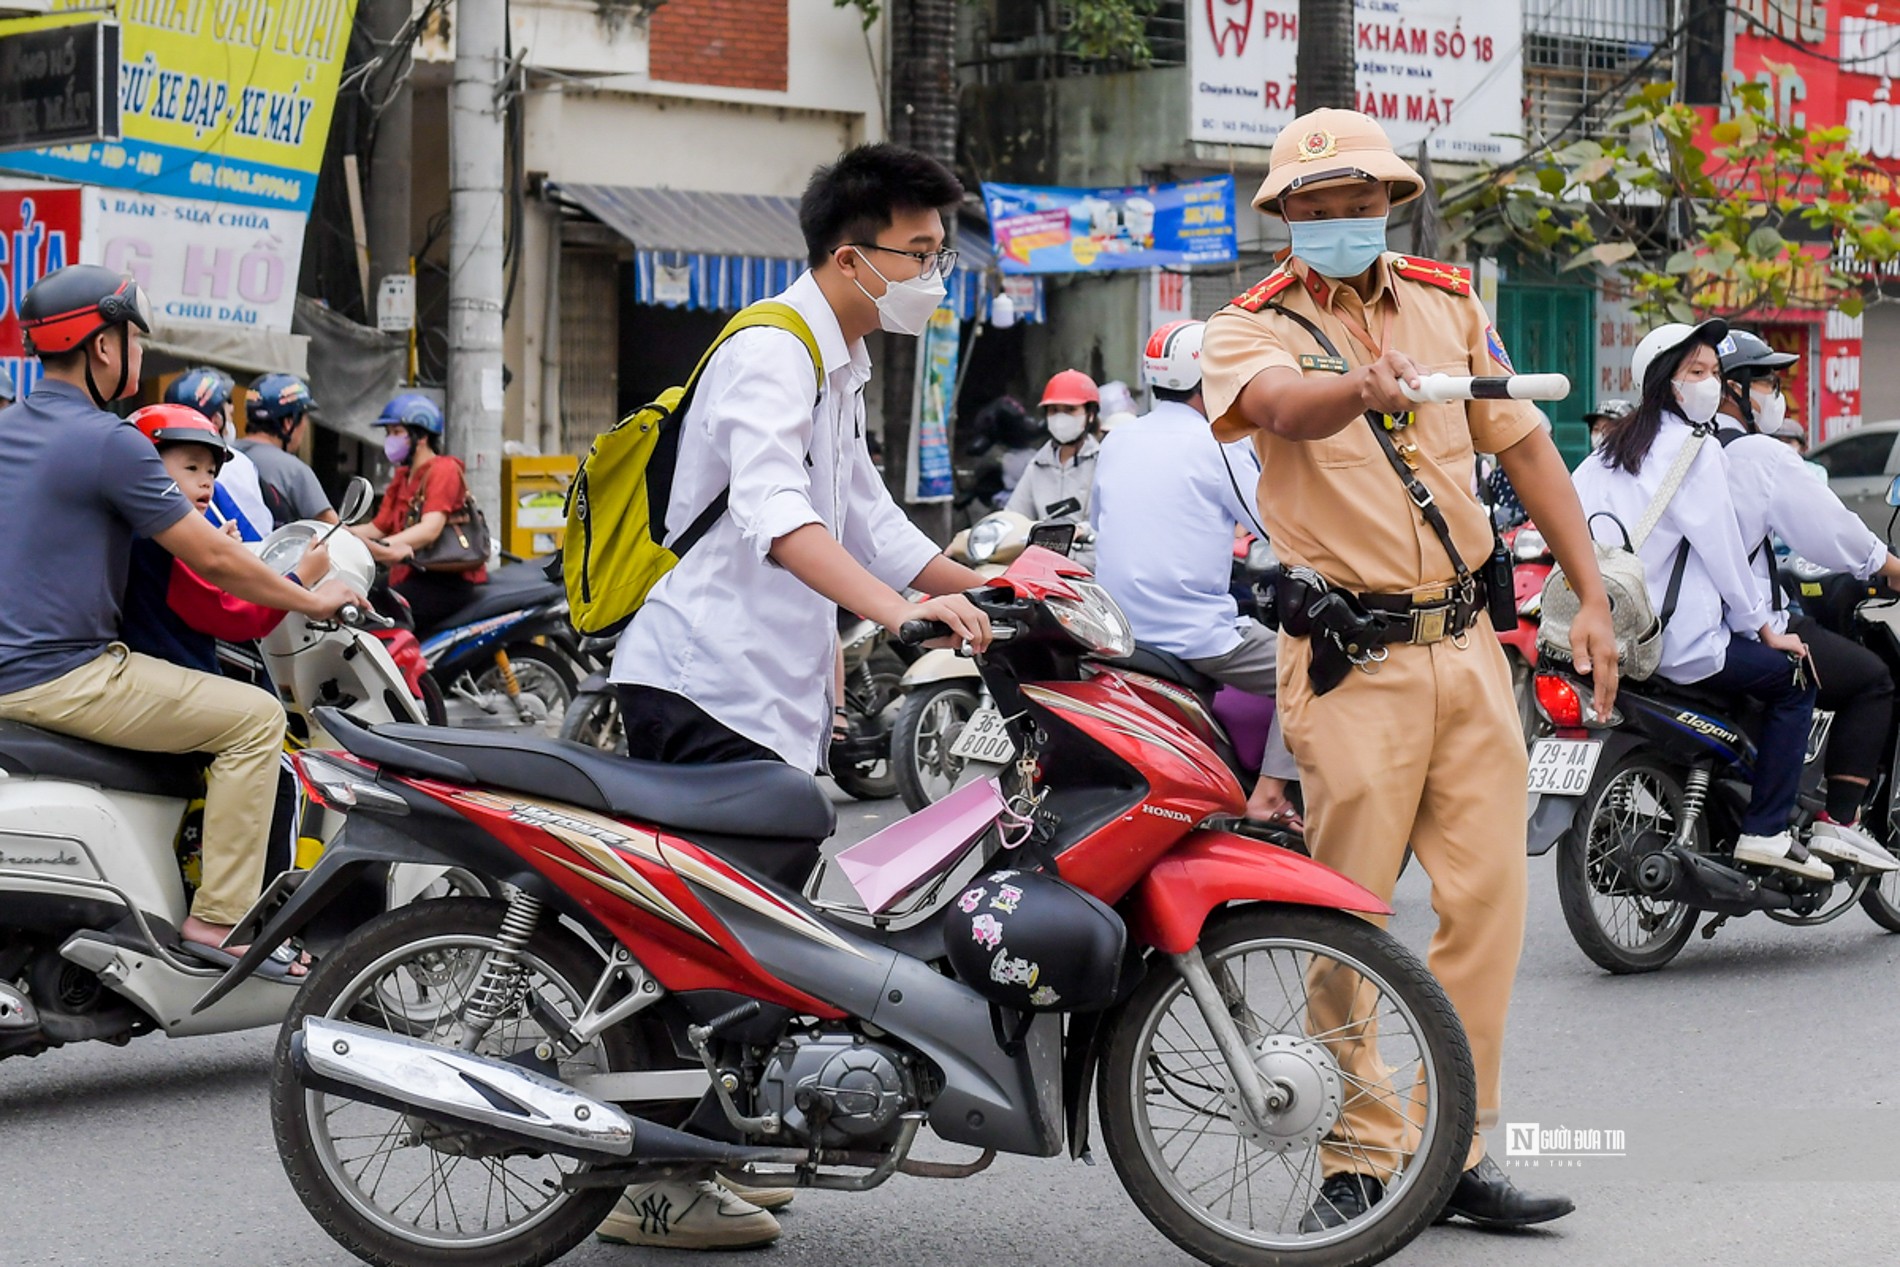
(1667, 337)
(1172, 358)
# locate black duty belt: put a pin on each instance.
(1351, 630)
(1429, 616)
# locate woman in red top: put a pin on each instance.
(425, 490)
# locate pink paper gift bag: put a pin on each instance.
(882, 866)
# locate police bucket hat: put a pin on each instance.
(1333, 147)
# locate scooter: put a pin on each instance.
(656, 997)
(1643, 809)
(93, 840)
(508, 658)
(1531, 567)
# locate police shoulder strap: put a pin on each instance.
(1414, 487)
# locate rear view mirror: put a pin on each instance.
(1893, 492)
(357, 499)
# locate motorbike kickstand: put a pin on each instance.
(1710, 929)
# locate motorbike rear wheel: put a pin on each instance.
(593, 718)
(1616, 926)
(361, 1170)
(1209, 1177)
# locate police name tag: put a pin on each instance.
(1325, 364)
(1562, 767)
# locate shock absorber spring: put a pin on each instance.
(501, 974)
(1695, 792)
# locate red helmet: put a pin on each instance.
(1071, 387)
(69, 306)
(180, 424)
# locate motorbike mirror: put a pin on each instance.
(1893, 492)
(357, 499)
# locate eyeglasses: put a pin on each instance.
(934, 263)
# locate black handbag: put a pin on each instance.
(463, 543)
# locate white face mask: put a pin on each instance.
(1699, 400)
(1066, 428)
(904, 307)
(1770, 413)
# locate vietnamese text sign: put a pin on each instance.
(59, 86)
(205, 262)
(1432, 70)
(39, 233)
(227, 100)
(1044, 229)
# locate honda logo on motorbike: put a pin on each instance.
(1175, 814)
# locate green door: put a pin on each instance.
(1550, 329)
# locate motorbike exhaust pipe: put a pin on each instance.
(457, 1089)
(1681, 875)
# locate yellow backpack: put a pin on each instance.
(612, 556)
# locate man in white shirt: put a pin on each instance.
(1166, 500)
(1775, 497)
(730, 658)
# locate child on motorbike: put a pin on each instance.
(1717, 626)
(170, 611)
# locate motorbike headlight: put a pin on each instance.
(986, 537)
(1094, 620)
(1529, 546)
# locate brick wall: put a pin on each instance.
(724, 43)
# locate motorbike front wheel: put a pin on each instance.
(1310, 992)
(927, 727)
(593, 718)
(393, 1189)
(545, 678)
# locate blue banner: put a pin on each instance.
(1047, 229)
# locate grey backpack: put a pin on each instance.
(1633, 615)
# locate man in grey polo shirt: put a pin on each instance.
(274, 420)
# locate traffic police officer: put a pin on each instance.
(1397, 700)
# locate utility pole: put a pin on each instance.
(387, 212)
(923, 111)
(1323, 68)
(476, 166)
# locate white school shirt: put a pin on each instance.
(1718, 594)
(728, 628)
(238, 477)
(1164, 509)
(1775, 495)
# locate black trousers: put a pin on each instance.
(662, 726)
(435, 596)
(1858, 690)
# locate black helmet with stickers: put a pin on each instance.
(1746, 356)
(1033, 943)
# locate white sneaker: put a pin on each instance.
(1781, 850)
(1850, 845)
(767, 1199)
(675, 1215)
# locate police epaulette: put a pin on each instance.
(1432, 273)
(1256, 299)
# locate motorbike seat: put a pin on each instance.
(761, 799)
(500, 598)
(1700, 698)
(1162, 664)
(30, 751)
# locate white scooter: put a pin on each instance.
(91, 888)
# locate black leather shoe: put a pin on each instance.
(1486, 1196)
(1342, 1199)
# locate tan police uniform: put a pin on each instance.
(1426, 748)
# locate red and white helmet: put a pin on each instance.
(1172, 358)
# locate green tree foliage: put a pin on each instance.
(1766, 216)
(1098, 30)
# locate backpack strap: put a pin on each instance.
(1674, 591)
(1678, 471)
(767, 314)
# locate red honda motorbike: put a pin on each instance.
(467, 1081)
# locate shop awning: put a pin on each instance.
(234, 347)
(720, 252)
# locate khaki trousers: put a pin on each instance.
(1427, 751)
(151, 705)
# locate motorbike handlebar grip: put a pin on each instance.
(914, 633)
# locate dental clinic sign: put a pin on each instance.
(208, 263)
(1438, 71)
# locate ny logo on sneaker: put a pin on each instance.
(656, 1213)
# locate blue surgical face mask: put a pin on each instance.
(1339, 248)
